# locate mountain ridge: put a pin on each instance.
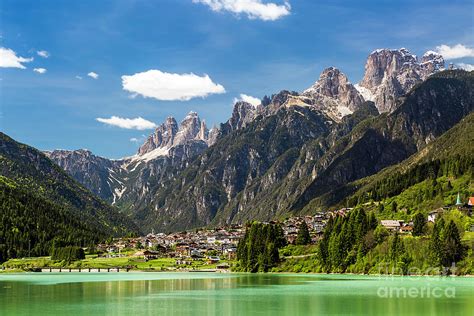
(293, 177)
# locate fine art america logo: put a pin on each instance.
(416, 283)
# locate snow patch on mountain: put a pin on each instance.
(155, 153)
(344, 110)
(366, 93)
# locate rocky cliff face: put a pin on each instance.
(242, 115)
(189, 129)
(212, 136)
(125, 181)
(162, 137)
(168, 134)
(265, 148)
(334, 93)
(90, 170)
(391, 73)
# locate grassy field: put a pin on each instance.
(92, 261)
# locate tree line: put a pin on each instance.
(345, 239)
(257, 251)
(30, 225)
(446, 247)
(68, 254)
(356, 241)
(395, 184)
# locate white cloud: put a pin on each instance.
(254, 9)
(9, 59)
(249, 99)
(78, 77)
(168, 86)
(40, 70)
(455, 52)
(43, 53)
(464, 66)
(138, 140)
(93, 75)
(135, 123)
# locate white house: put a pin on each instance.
(391, 224)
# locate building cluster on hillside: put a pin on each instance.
(316, 224)
(402, 227)
(212, 245)
(221, 243)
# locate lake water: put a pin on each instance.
(232, 294)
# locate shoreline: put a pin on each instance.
(222, 271)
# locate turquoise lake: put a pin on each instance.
(232, 294)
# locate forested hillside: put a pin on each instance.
(30, 225)
(431, 178)
(41, 205)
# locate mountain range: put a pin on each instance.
(295, 153)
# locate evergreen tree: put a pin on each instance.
(453, 249)
(380, 207)
(396, 247)
(394, 207)
(303, 237)
(31, 225)
(347, 239)
(68, 254)
(435, 246)
(258, 249)
(419, 224)
(372, 221)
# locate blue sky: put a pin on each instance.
(254, 52)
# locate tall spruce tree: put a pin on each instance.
(435, 246)
(396, 247)
(453, 249)
(419, 224)
(303, 237)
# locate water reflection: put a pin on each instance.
(243, 294)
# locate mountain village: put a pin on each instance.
(216, 245)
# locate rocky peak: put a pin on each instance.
(391, 73)
(329, 82)
(432, 62)
(189, 129)
(169, 135)
(280, 98)
(212, 136)
(333, 89)
(162, 137)
(384, 63)
(242, 114)
(203, 132)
